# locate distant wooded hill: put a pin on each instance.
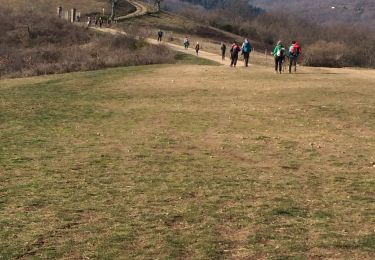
(358, 12)
(211, 4)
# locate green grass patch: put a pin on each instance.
(183, 58)
(186, 162)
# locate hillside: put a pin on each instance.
(44, 6)
(48, 7)
(359, 12)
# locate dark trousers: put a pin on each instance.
(292, 62)
(223, 55)
(246, 56)
(279, 63)
(160, 38)
(234, 59)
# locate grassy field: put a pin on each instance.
(188, 162)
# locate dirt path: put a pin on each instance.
(202, 54)
(141, 9)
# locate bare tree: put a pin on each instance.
(113, 8)
(157, 4)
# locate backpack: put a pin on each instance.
(246, 47)
(235, 49)
(294, 50)
(281, 52)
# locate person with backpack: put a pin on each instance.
(100, 22)
(294, 52)
(160, 35)
(234, 51)
(88, 22)
(246, 49)
(223, 50)
(279, 54)
(186, 42)
(197, 48)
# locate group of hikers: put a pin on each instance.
(280, 53)
(187, 44)
(235, 50)
(95, 21)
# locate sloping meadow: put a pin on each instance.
(31, 44)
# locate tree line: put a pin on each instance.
(338, 45)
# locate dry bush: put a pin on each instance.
(34, 45)
(328, 54)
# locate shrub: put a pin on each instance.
(33, 46)
(328, 54)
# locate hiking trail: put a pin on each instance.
(142, 9)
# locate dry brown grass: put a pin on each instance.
(50, 6)
(188, 162)
(37, 45)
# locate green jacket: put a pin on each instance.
(277, 49)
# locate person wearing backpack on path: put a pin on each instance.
(197, 48)
(279, 54)
(246, 49)
(234, 51)
(186, 43)
(160, 35)
(223, 50)
(294, 52)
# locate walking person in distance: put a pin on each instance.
(246, 49)
(197, 48)
(223, 50)
(294, 52)
(160, 35)
(234, 51)
(279, 54)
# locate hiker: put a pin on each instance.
(186, 42)
(294, 52)
(246, 49)
(234, 51)
(197, 48)
(223, 50)
(160, 35)
(100, 22)
(88, 21)
(279, 54)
